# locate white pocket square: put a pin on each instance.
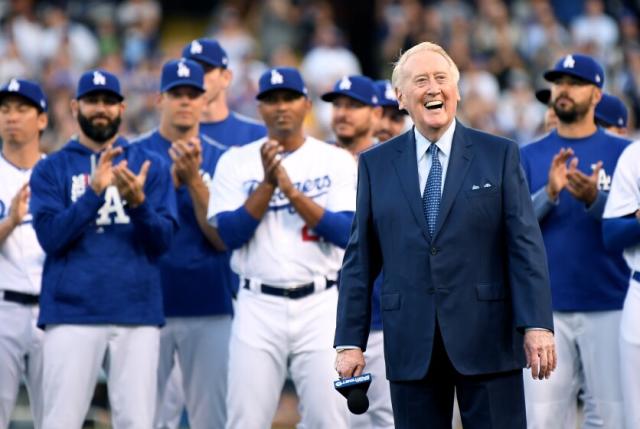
(487, 185)
(475, 187)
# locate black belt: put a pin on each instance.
(636, 276)
(295, 292)
(21, 298)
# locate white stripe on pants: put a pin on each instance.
(73, 355)
(587, 343)
(20, 354)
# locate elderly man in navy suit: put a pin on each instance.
(465, 298)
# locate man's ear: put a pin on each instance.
(74, 108)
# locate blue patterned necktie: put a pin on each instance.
(431, 194)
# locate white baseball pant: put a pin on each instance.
(201, 345)
(73, 356)
(630, 355)
(272, 334)
(20, 354)
(588, 352)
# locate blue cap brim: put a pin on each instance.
(182, 83)
(95, 90)
(553, 75)
(282, 88)
(35, 103)
(330, 96)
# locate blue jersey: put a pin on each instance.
(101, 256)
(235, 130)
(195, 277)
(584, 276)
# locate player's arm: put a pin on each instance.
(17, 211)
(57, 225)
(151, 203)
(187, 158)
(621, 218)
(236, 225)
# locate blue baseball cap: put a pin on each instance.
(98, 81)
(612, 111)
(386, 94)
(26, 89)
(207, 51)
(181, 72)
(287, 78)
(359, 88)
(577, 65)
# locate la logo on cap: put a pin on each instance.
(196, 47)
(99, 79)
(345, 84)
(388, 92)
(14, 85)
(276, 78)
(569, 62)
(183, 70)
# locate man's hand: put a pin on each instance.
(270, 153)
(187, 158)
(540, 350)
(130, 186)
(350, 363)
(581, 186)
(102, 175)
(284, 181)
(558, 173)
(19, 205)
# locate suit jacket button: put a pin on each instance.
(434, 251)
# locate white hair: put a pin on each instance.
(398, 70)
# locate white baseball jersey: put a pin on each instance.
(21, 257)
(283, 251)
(624, 196)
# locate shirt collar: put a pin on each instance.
(444, 144)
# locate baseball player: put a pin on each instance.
(394, 119)
(588, 283)
(103, 211)
(195, 270)
(621, 231)
(23, 116)
(355, 114)
(284, 205)
(229, 128)
(611, 114)
(218, 121)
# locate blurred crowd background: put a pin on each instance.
(500, 46)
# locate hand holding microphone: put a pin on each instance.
(355, 390)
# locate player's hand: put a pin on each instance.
(131, 186)
(102, 176)
(581, 186)
(350, 363)
(540, 351)
(19, 205)
(284, 181)
(558, 173)
(187, 158)
(270, 153)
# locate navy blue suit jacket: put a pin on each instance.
(483, 275)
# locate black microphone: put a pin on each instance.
(355, 390)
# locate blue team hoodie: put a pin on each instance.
(100, 265)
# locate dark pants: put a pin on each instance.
(491, 401)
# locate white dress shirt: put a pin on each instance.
(424, 157)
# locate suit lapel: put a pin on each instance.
(461, 155)
(406, 166)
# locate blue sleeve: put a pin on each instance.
(542, 205)
(57, 225)
(335, 227)
(236, 227)
(155, 220)
(596, 209)
(620, 232)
